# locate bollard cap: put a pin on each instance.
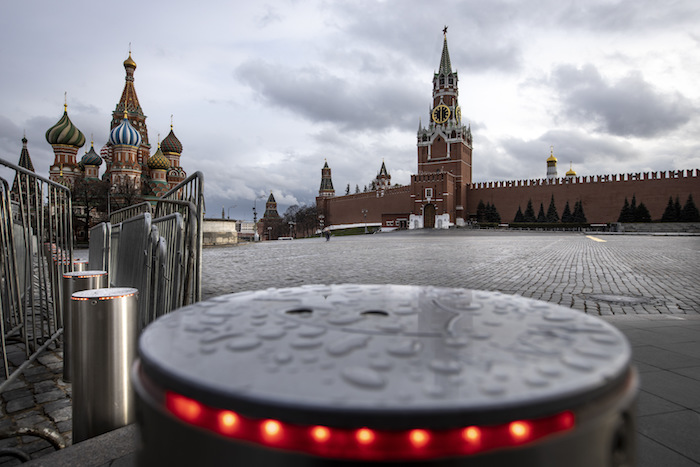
(339, 355)
(105, 294)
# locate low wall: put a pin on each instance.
(690, 227)
(219, 232)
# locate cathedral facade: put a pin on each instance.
(441, 194)
(127, 156)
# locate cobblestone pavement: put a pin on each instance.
(623, 274)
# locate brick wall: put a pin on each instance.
(602, 196)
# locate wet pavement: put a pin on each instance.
(648, 286)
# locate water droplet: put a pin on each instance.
(283, 357)
(344, 320)
(363, 377)
(346, 345)
(536, 381)
(492, 389)
(309, 331)
(380, 364)
(577, 363)
(405, 348)
(220, 337)
(271, 333)
(242, 343)
(549, 370)
(445, 366)
(306, 343)
(606, 339)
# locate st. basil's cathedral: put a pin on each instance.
(127, 153)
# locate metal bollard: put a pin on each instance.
(351, 374)
(80, 265)
(75, 282)
(104, 335)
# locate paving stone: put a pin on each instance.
(50, 396)
(16, 394)
(663, 428)
(50, 407)
(19, 404)
(61, 415)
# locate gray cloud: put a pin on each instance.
(629, 107)
(323, 97)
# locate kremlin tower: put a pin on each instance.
(326, 190)
(551, 165)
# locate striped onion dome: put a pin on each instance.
(64, 132)
(171, 144)
(158, 161)
(91, 157)
(125, 134)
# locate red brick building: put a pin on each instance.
(442, 194)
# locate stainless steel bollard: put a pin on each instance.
(407, 375)
(75, 282)
(104, 334)
(79, 265)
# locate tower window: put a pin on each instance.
(450, 81)
(442, 80)
(428, 193)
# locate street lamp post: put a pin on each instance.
(291, 227)
(364, 212)
(229, 210)
(269, 233)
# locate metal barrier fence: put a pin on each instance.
(130, 211)
(192, 190)
(37, 248)
(159, 255)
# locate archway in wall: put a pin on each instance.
(429, 216)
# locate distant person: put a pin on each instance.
(327, 233)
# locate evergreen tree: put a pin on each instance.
(492, 214)
(519, 216)
(578, 214)
(626, 213)
(670, 212)
(347, 189)
(641, 214)
(481, 211)
(366, 189)
(552, 215)
(690, 212)
(677, 209)
(357, 188)
(540, 215)
(529, 215)
(633, 206)
(566, 216)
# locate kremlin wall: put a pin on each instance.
(441, 193)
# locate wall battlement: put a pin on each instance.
(629, 177)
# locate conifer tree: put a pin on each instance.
(357, 188)
(552, 215)
(566, 215)
(677, 209)
(641, 214)
(690, 212)
(492, 214)
(540, 215)
(481, 211)
(347, 189)
(519, 216)
(578, 214)
(529, 215)
(625, 213)
(669, 214)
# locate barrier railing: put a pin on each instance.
(192, 190)
(130, 211)
(36, 236)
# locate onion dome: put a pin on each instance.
(551, 158)
(171, 144)
(571, 172)
(129, 62)
(91, 157)
(125, 134)
(158, 161)
(64, 132)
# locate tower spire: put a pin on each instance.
(445, 65)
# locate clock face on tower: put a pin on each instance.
(441, 113)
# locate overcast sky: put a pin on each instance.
(261, 93)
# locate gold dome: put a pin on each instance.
(571, 172)
(551, 158)
(129, 62)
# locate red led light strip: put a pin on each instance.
(366, 443)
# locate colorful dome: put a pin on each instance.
(171, 144)
(125, 134)
(551, 157)
(158, 161)
(570, 172)
(91, 157)
(64, 132)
